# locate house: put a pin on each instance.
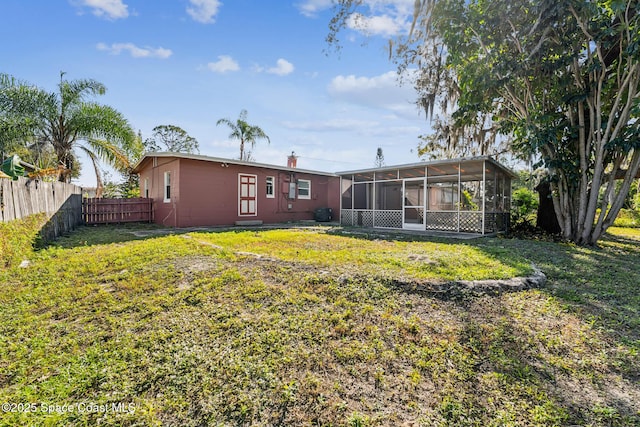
(461, 195)
(194, 190)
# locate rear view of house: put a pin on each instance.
(193, 190)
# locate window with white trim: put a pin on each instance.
(167, 187)
(304, 189)
(270, 187)
(146, 187)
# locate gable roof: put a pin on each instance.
(166, 154)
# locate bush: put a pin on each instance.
(524, 207)
(18, 237)
(627, 218)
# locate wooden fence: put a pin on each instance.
(109, 211)
(60, 201)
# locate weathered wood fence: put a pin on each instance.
(60, 201)
(109, 211)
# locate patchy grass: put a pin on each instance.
(414, 259)
(300, 327)
(17, 238)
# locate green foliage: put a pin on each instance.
(628, 218)
(268, 327)
(173, 139)
(532, 79)
(18, 237)
(244, 133)
(524, 205)
(66, 120)
(467, 202)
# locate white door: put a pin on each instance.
(413, 205)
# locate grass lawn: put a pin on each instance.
(309, 327)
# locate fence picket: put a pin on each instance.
(106, 211)
(61, 203)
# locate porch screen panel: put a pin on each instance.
(500, 192)
(347, 189)
(471, 195)
(363, 195)
(389, 196)
(490, 188)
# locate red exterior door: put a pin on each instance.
(247, 203)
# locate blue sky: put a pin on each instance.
(192, 62)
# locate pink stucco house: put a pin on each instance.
(194, 190)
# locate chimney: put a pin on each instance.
(292, 160)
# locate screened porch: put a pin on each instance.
(462, 195)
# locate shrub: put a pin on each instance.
(524, 206)
(627, 218)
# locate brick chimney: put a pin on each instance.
(292, 160)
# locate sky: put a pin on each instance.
(191, 62)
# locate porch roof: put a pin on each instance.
(436, 164)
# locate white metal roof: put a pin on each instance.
(432, 163)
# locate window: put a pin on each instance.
(270, 184)
(146, 187)
(304, 189)
(167, 187)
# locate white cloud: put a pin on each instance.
(381, 91)
(204, 11)
(382, 25)
(110, 9)
(310, 8)
(135, 51)
(224, 64)
(282, 68)
(385, 18)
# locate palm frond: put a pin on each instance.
(98, 121)
(108, 152)
(74, 92)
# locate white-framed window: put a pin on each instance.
(304, 189)
(270, 187)
(146, 187)
(167, 187)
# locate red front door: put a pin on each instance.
(247, 203)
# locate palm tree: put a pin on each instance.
(245, 133)
(68, 121)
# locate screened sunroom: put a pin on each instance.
(464, 195)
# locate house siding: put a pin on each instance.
(206, 193)
(154, 170)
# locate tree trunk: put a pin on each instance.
(547, 219)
